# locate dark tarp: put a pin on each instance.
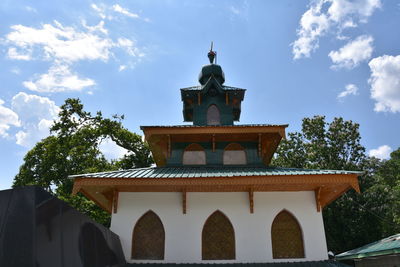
(39, 230)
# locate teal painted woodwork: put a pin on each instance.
(197, 99)
(214, 157)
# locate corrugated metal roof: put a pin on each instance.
(213, 126)
(199, 87)
(280, 264)
(207, 171)
(386, 246)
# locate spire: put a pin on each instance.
(211, 69)
(212, 54)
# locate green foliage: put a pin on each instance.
(73, 149)
(354, 219)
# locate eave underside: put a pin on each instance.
(327, 188)
(161, 138)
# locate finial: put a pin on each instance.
(211, 55)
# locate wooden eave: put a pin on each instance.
(160, 138)
(327, 187)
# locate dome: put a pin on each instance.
(211, 70)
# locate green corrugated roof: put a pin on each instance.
(199, 87)
(280, 264)
(386, 246)
(222, 126)
(207, 171)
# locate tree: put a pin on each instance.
(354, 219)
(73, 149)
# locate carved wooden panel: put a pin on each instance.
(213, 116)
(218, 238)
(148, 239)
(287, 237)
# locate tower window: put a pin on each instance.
(234, 154)
(213, 115)
(194, 154)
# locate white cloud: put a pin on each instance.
(63, 46)
(61, 43)
(351, 89)
(58, 79)
(14, 54)
(385, 83)
(324, 16)
(122, 67)
(112, 12)
(30, 107)
(353, 53)
(382, 152)
(124, 11)
(36, 114)
(30, 9)
(7, 118)
(111, 150)
(130, 47)
(15, 70)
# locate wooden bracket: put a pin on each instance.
(169, 146)
(259, 145)
(198, 99)
(318, 198)
(251, 200)
(213, 142)
(226, 98)
(184, 201)
(115, 201)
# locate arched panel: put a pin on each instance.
(234, 154)
(218, 238)
(148, 239)
(194, 154)
(213, 115)
(287, 237)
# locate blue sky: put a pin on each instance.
(296, 58)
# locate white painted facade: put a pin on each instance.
(252, 231)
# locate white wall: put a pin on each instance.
(252, 231)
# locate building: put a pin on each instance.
(381, 253)
(213, 198)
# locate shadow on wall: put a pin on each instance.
(39, 230)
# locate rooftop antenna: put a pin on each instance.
(212, 54)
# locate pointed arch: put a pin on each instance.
(218, 238)
(148, 238)
(213, 115)
(194, 154)
(234, 154)
(287, 237)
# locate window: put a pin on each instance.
(194, 154)
(213, 116)
(234, 154)
(148, 239)
(218, 238)
(287, 238)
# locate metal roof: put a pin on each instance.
(327, 263)
(386, 246)
(208, 172)
(199, 88)
(214, 126)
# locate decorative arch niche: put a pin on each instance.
(234, 154)
(148, 238)
(287, 237)
(218, 238)
(194, 154)
(213, 115)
